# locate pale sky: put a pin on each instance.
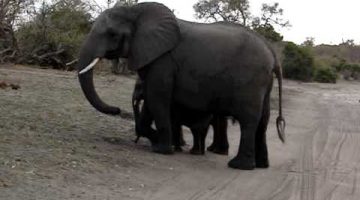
(328, 21)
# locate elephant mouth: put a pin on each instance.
(114, 54)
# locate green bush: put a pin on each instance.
(298, 62)
(348, 71)
(325, 75)
(53, 37)
(269, 33)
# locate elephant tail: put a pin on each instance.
(280, 121)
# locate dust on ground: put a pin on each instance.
(54, 145)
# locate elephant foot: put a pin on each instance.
(162, 149)
(178, 149)
(196, 151)
(262, 163)
(221, 151)
(243, 164)
(218, 150)
(211, 148)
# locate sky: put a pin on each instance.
(328, 21)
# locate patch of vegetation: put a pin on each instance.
(348, 71)
(325, 75)
(298, 62)
(53, 37)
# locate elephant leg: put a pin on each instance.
(248, 117)
(214, 124)
(161, 114)
(245, 159)
(203, 134)
(143, 123)
(199, 136)
(177, 136)
(159, 85)
(261, 152)
(196, 143)
(220, 143)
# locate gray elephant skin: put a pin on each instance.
(197, 122)
(219, 68)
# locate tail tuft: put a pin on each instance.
(280, 125)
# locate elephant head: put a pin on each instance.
(141, 33)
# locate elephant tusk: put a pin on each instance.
(90, 66)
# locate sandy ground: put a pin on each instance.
(54, 145)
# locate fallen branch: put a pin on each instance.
(7, 57)
(5, 51)
(50, 54)
(72, 62)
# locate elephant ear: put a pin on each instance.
(156, 32)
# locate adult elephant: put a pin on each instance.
(220, 68)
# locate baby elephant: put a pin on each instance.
(198, 122)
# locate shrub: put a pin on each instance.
(325, 75)
(53, 37)
(298, 62)
(348, 71)
(269, 33)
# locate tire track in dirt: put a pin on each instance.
(340, 166)
(322, 147)
(320, 160)
(336, 162)
(302, 169)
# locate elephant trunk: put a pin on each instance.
(87, 86)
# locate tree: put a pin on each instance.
(54, 35)
(298, 62)
(270, 17)
(238, 11)
(126, 2)
(348, 42)
(10, 12)
(269, 33)
(309, 42)
(224, 10)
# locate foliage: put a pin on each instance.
(223, 10)
(125, 2)
(298, 62)
(10, 13)
(269, 33)
(339, 59)
(270, 15)
(347, 53)
(53, 37)
(238, 11)
(348, 71)
(309, 42)
(348, 42)
(325, 75)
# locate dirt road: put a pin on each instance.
(54, 145)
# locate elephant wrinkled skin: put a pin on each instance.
(220, 68)
(197, 122)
